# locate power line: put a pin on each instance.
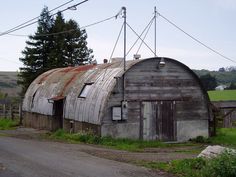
(67, 31)
(10, 60)
(34, 18)
(197, 40)
(149, 24)
(141, 39)
(28, 24)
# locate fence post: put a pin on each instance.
(20, 113)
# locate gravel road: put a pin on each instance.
(32, 158)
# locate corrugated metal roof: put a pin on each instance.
(67, 83)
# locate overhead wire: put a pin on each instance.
(68, 31)
(113, 50)
(140, 38)
(29, 24)
(149, 24)
(195, 39)
(36, 17)
(145, 37)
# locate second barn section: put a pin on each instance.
(152, 99)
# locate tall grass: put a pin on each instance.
(225, 136)
(222, 166)
(6, 124)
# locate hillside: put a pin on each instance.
(8, 83)
(221, 77)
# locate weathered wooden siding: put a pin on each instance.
(146, 82)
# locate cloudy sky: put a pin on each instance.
(212, 22)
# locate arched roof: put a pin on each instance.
(70, 82)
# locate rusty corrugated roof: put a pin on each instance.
(67, 83)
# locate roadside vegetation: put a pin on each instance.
(222, 166)
(8, 124)
(119, 143)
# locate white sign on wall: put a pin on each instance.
(116, 113)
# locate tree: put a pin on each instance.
(56, 43)
(208, 81)
(232, 86)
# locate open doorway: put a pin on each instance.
(58, 114)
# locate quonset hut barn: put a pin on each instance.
(155, 98)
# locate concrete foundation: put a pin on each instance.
(121, 130)
(191, 129)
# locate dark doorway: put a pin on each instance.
(157, 120)
(166, 118)
(58, 114)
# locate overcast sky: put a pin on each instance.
(210, 21)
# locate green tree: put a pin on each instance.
(208, 81)
(35, 55)
(51, 47)
(232, 86)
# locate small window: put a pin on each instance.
(85, 90)
(116, 113)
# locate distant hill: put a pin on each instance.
(224, 78)
(8, 83)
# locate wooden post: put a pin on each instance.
(11, 112)
(20, 113)
(4, 110)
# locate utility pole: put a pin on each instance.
(124, 16)
(124, 101)
(155, 31)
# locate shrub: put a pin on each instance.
(200, 139)
(222, 166)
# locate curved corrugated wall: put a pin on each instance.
(68, 83)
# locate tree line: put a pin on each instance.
(56, 43)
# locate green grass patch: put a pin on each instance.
(223, 95)
(8, 124)
(225, 136)
(119, 143)
(222, 166)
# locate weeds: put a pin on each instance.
(119, 143)
(6, 124)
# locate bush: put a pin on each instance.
(200, 139)
(222, 166)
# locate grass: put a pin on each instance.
(224, 95)
(119, 143)
(225, 136)
(8, 124)
(223, 165)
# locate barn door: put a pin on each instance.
(157, 120)
(166, 117)
(149, 120)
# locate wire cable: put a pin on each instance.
(113, 50)
(140, 38)
(151, 21)
(29, 24)
(196, 40)
(68, 31)
(145, 36)
(35, 18)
